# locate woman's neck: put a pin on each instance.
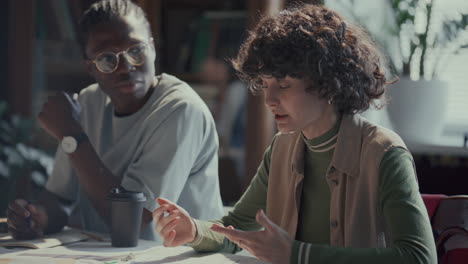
(321, 125)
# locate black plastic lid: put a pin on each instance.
(120, 194)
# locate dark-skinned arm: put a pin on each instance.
(60, 118)
(97, 180)
(48, 214)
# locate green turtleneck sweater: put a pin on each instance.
(314, 220)
(399, 200)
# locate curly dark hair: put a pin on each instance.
(106, 11)
(314, 43)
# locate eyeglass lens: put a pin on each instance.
(108, 62)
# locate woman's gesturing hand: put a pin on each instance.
(173, 224)
(272, 244)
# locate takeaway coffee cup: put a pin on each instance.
(126, 211)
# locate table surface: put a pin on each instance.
(90, 252)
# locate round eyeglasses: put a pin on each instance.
(108, 61)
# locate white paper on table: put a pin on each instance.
(175, 255)
(67, 236)
(81, 252)
(147, 252)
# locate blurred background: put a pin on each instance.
(426, 42)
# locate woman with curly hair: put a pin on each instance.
(335, 187)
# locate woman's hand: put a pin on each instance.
(60, 115)
(173, 223)
(272, 245)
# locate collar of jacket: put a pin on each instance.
(347, 151)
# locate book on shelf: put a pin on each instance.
(215, 34)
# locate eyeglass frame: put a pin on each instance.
(117, 55)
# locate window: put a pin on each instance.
(456, 75)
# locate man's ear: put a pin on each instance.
(90, 68)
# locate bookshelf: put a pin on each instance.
(189, 32)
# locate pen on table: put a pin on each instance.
(28, 218)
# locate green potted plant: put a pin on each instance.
(420, 38)
(21, 165)
(427, 39)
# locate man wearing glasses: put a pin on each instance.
(130, 130)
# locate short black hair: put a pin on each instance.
(106, 11)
